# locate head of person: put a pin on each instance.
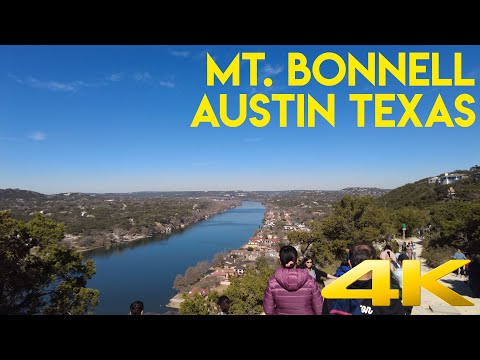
(300, 261)
(136, 308)
(361, 252)
(387, 247)
(308, 262)
(224, 302)
(346, 258)
(288, 256)
(402, 257)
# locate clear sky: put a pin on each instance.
(117, 119)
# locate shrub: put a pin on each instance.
(437, 255)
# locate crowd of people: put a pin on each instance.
(293, 291)
(295, 288)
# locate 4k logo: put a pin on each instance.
(413, 281)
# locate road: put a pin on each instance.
(432, 304)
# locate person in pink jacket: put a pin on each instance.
(292, 291)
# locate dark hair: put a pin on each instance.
(387, 247)
(361, 252)
(346, 257)
(288, 253)
(224, 302)
(136, 307)
(306, 258)
(402, 257)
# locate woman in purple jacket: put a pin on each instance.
(292, 291)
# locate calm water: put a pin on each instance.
(145, 269)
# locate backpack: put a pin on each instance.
(395, 264)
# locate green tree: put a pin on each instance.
(199, 305)
(357, 219)
(39, 276)
(194, 305)
(457, 224)
(414, 219)
(246, 292)
(354, 219)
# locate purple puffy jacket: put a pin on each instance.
(292, 292)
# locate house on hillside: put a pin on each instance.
(271, 253)
(433, 180)
(241, 253)
(197, 290)
(447, 178)
(240, 270)
(223, 274)
(253, 255)
(275, 240)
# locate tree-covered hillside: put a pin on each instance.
(421, 194)
(93, 220)
(445, 216)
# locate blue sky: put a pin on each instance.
(117, 119)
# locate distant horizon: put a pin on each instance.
(118, 119)
(173, 191)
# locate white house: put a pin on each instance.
(450, 178)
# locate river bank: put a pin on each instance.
(146, 269)
(236, 260)
(116, 239)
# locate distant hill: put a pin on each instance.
(364, 191)
(421, 194)
(26, 195)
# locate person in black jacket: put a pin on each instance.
(360, 253)
(474, 275)
(314, 272)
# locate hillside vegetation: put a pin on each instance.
(446, 216)
(423, 195)
(93, 220)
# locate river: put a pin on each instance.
(145, 269)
